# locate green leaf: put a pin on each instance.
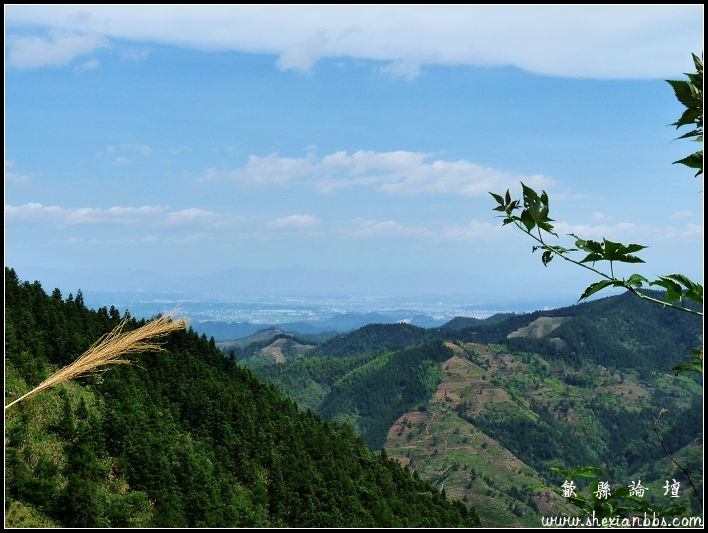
(547, 257)
(616, 251)
(580, 502)
(688, 367)
(545, 226)
(499, 199)
(698, 63)
(672, 283)
(694, 133)
(608, 251)
(530, 196)
(694, 160)
(598, 286)
(536, 211)
(689, 117)
(631, 248)
(629, 259)
(583, 471)
(620, 492)
(694, 290)
(591, 258)
(611, 248)
(636, 280)
(685, 92)
(587, 246)
(561, 250)
(587, 471)
(673, 289)
(544, 200)
(527, 220)
(695, 363)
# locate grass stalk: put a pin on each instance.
(113, 348)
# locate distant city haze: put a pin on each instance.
(295, 299)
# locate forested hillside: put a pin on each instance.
(184, 438)
(617, 332)
(374, 338)
(569, 387)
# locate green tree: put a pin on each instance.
(531, 215)
(690, 94)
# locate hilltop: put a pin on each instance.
(484, 409)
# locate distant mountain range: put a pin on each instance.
(324, 327)
(238, 283)
(239, 302)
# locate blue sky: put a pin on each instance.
(189, 141)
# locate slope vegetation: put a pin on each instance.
(185, 439)
(486, 420)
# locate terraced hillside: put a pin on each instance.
(489, 419)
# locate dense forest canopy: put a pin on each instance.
(184, 438)
(580, 385)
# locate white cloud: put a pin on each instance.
(682, 215)
(626, 232)
(600, 41)
(153, 214)
(472, 231)
(180, 150)
(91, 64)
(687, 231)
(409, 70)
(121, 152)
(303, 56)
(294, 221)
(56, 50)
(150, 240)
(271, 169)
(612, 232)
(32, 210)
(399, 172)
(142, 149)
(390, 228)
(623, 231)
(14, 177)
(123, 241)
(190, 216)
(132, 211)
(599, 216)
(457, 177)
(134, 55)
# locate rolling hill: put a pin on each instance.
(184, 438)
(486, 419)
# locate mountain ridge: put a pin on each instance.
(184, 438)
(551, 388)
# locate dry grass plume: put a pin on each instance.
(112, 349)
